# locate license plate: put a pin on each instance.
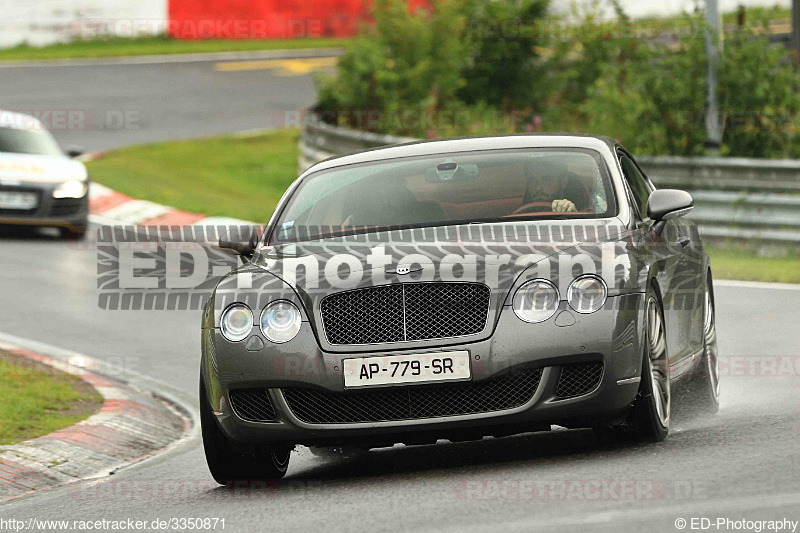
(413, 368)
(18, 200)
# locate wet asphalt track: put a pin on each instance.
(99, 107)
(744, 463)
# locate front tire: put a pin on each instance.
(648, 418)
(73, 235)
(227, 464)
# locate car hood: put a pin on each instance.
(494, 254)
(29, 168)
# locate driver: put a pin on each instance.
(553, 182)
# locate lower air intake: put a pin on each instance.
(579, 379)
(253, 405)
(413, 402)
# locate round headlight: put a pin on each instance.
(536, 301)
(587, 293)
(280, 321)
(236, 322)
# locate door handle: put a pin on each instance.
(683, 241)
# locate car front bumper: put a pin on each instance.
(610, 336)
(68, 213)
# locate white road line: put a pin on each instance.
(756, 285)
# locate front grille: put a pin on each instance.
(579, 379)
(253, 405)
(405, 312)
(413, 402)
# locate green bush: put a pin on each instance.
(504, 71)
(436, 71)
(760, 93)
(652, 97)
(408, 62)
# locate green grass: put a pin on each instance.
(240, 177)
(748, 266)
(36, 400)
(120, 47)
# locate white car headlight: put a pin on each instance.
(71, 189)
(280, 321)
(587, 293)
(236, 322)
(536, 301)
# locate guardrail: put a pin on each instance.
(736, 199)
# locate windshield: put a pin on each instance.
(38, 142)
(448, 189)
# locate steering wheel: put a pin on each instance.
(533, 207)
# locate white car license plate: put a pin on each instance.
(18, 200)
(413, 368)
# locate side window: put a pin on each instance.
(637, 183)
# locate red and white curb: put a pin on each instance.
(109, 207)
(132, 425)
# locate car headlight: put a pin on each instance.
(536, 301)
(280, 321)
(236, 322)
(587, 293)
(71, 189)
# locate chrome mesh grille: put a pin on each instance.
(253, 405)
(579, 379)
(364, 316)
(405, 312)
(412, 402)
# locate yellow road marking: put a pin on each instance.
(283, 67)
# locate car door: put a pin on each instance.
(677, 276)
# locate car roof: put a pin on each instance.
(469, 144)
(19, 121)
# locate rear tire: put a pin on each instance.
(227, 464)
(702, 388)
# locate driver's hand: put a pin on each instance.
(564, 205)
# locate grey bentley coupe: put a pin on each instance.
(458, 289)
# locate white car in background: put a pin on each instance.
(40, 185)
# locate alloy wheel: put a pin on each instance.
(659, 367)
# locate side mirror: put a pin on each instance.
(74, 151)
(665, 204)
(240, 240)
